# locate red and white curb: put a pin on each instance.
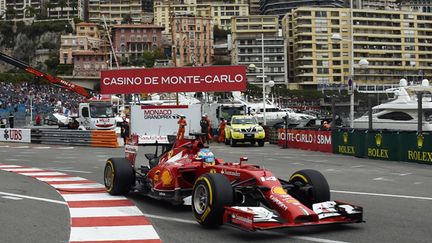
(95, 215)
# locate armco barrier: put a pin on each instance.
(74, 137)
(104, 139)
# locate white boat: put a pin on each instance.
(273, 113)
(401, 113)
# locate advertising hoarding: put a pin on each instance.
(15, 135)
(185, 79)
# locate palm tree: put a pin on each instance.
(30, 11)
(10, 12)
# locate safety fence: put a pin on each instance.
(75, 137)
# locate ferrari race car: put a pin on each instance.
(234, 193)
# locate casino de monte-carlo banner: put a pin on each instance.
(184, 79)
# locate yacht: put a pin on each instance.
(273, 113)
(401, 113)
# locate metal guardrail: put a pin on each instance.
(63, 137)
(74, 137)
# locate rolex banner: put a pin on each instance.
(384, 145)
(417, 147)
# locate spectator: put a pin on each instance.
(11, 120)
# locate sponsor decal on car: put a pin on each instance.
(278, 202)
(230, 173)
(278, 190)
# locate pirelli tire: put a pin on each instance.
(310, 187)
(211, 193)
(119, 176)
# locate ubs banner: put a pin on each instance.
(15, 135)
(306, 139)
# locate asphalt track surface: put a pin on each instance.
(396, 196)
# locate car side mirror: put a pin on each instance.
(229, 123)
(243, 159)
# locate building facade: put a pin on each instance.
(254, 7)
(377, 4)
(282, 7)
(249, 36)
(132, 40)
(62, 9)
(87, 38)
(220, 11)
(396, 44)
(20, 9)
(89, 63)
(114, 11)
(424, 6)
(192, 40)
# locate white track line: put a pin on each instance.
(382, 195)
(33, 198)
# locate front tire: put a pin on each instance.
(227, 141)
(261, 143)
(233, 142)
(118, 176)
(310, 187)
(211, 193)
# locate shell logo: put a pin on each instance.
(156, 176)
(278, 190)
(378, 139)
(166, 178)
(345, 137)
(420, 141)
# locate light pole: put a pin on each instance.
(31, 109)
(270, 84)
(363, 63)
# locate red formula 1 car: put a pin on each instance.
(234, 193)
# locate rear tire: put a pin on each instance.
(211, 193)
(227, 141)
(310, 187)
(119, 176)
(261, 143)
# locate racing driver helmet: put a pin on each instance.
(206, 155)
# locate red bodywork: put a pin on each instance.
(179, 168)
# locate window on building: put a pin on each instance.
(320, 14)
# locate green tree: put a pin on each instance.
(30, 11)
(127, 19)
(10, 12)
(62, 4)
(219, 33)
